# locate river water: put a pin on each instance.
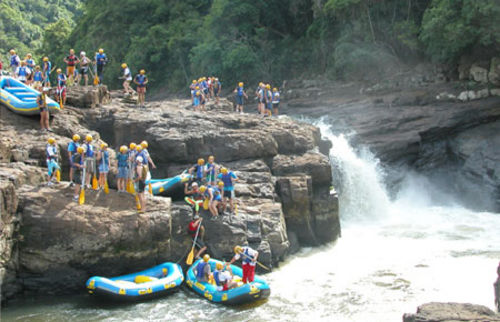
(393, 256)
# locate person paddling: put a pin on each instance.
(249, 257)
(141, 80)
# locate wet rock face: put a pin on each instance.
(496, 287)
(449, 312)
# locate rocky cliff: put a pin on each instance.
(451, 312)
(49, 244)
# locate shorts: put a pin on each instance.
(268, 106)
(103, 168)
(84, 70)
(229, 194)
(239, 100)
(199, 243)
(217, 198)
(122, 172)
(77, 176)
(141, 89)
(52, 167)
(276, 105)
(141, 185)
(205, 90)
(71, 70)
(262, 100)
(216, 92)
(90, 165)
(44, 109)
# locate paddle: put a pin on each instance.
(58, 175)
(205, 203)
(260, 264)
(81, 200)
(96, 77)
(190, 257)
(106, 187)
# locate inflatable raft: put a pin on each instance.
(156, 281)
(165, 186)
(244, 293)
(21, 98)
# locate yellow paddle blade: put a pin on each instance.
(150, 189)
(96, 80)
(132, 189)
(94, 182)
(58, 175)
(236, 209)
(190, 257)
(137, 203)
(106, 187)
(205, 204)
(81, 200)
(61, 103)
(127, 186)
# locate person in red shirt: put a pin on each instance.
(71, 61)
(192, 228)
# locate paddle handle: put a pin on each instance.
(260, 264)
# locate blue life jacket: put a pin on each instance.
(122, 160)
(22, 71)
(246, 259)
(204, 84)
(227, 179)
(14, 60)
(143, 155)
(72, 146)
(216, 278)
(47, 66)
(240, 91)
(132, 154)
(90, 150)
(140, 79)
(31, 63)
(101, 59)
(74, 157)
(61, 80)
(104, 157)
(51, 151)
(199, 269)
(199, 171)
(276, 97)
(38, 76)
(210, 169)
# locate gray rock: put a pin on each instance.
(479, 74)
(451, 312)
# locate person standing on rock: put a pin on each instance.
(127, 78)
(104, 164)
(100, 61)
(84, 69)
(30, 63)
(228, 178)
(122, 165)
(249, 259)
(61, 87)
(77, 166)
(276, 101)
(132, 152)
(141, 80)
(89, 160)
(197, 171)
(52, 161)
(210, 194)
(260, 97)
(240, 93)
(71, 60)
(15, 62)
(41, 101)
(210, 171)
(46, 70)
(192, 229)
(72, 148)
(146, 156)
(217, 86)
(141, 171)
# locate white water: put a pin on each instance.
(393, 256)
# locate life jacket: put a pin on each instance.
(41, 100)
(51, 151)
(38, 76)
(240, 91)
(122, 160)
(104, 157)
(61, 80)
(14, 60)
(30, 63)
(246, 259)
(199, 269)
(140, 79)
(46, 66)
(132, 154)
(90, 150)
(216, 278)
(276, 97)
(77, 159)
(72, 146)
(101, 59)
(199, 171)
(22, 72)
(210, 169)
(71, 60)
(227, 179)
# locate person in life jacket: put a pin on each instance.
(84, 69)
(100, 61)
(72, 147)
(15, 62)
(193, 197)
(203, 269)
(223, 277)
(30, 63)
(104, 164)
(217, 86)
(240, 93)
(90, 168)
(210, 171)
(46, 70)
(52, 160)
(71, 60)
(41, 101)
(249, 259)
(268, 98)
(261, 98)
(141, 171)
(192, 228)
(204, 88)
(197, 99)
(197, 171)
(37, 78)
(61, 85)
(145, 154)
(132, 153)
(213, 196)
(141, 80)
(77, 166)
(122, 165)
(276, 101)
(192, 90)
(23, 72)
(228, 178)
(127, 78)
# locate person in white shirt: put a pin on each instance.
(249, 259)
(127, 78)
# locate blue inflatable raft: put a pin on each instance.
(244, 293)
(153, 282)
(165, 186)
(21, 98)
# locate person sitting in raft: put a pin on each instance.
(141, 170)
(223, 277)
(196, 198)
(228, 178)
(122, 164)
(249, 259)
(104, 164)
(77, 165)
(202, 270)
(192, 228)
(52, 158)
(41, 101)
(72, 146)
(198, 170)
(210, 171)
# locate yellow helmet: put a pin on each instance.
(12, 51)
(268, 86)
(45, 58)
(219, 266)
(206, 258)
(23, 62)
(211, 158)
(80, 149)
(124, 65)
(142, 72)
(88, 138)
(223, 170)
(132, 146)
(76, 137)
(197, 87)
(51, 140)
(104, 145)
(203, 188)
(101, 50)
(144, 144)
(29, 55)
(240, 84)
(59, 70)
(71, 51)
(123, 149)
(260, 84)
(238, 249)
(275, 89)
(194, 81)
(138, 148)
(198, 93)
(201, 161)
(220, 183)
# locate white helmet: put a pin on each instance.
(82, 53)
(139, 159)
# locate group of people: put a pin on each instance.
(268, 100)
(202, 90)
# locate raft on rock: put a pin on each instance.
(244, 293)
(21, 98)
(165, 186)
(153, 282)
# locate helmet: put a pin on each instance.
(45, 89)
(71, 51)
(123, 149)
(198, 93)
(194, 81)
(261, 84)
(88, 138)
(206, 258)
(197, 87)
(101, 50)
(138, 148)
(275, 89)
(223, 170)
(124, 65)
(29, 55)
(240, 84)
(45, 58)
(132, 146)
(201, 161)
(139, 159)
(237, 249)
(220, 183)
(268, 86)
(219, 266)
(211, 158)
(144, 144)
(23, 62)
(80, 149)
(37, 67)
(194, 184)
(12, 51)
(51, 140)
(142, 72)
(203, 188)
(59, 70)
(104, 145)
(82, 53)
(76, 137)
